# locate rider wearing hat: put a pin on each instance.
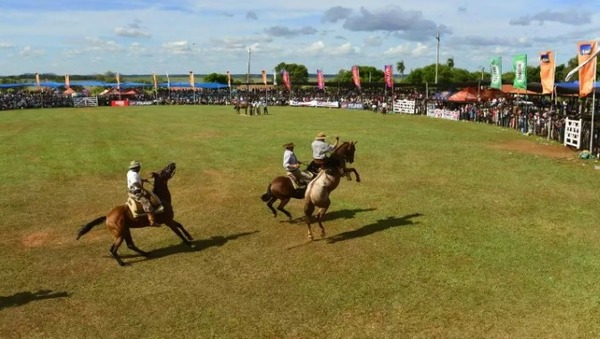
(320, 148)
(292, 166)
(136, 190)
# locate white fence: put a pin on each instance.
(85, 101)
(573, 133)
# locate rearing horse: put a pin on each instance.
(318, 191)
(281, 188)
(119, 220)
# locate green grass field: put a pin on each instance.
(448, 235)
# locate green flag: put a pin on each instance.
(520, 69)
(496, 72)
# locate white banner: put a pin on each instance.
(315, 103)
(443, 113)
(404, 106)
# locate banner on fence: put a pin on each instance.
(85, 101)
(442, 113)
(315, 103)
(404, 106)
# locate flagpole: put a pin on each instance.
(593, 113)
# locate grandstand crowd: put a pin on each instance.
(536, 114)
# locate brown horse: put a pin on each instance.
(318, 191)
(282, 189)
(119, 220)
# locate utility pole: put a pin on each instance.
(248, 73)
(437, 56)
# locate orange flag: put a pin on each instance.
(37, 80)
(587, 73)
(67, 82)
(547, 71)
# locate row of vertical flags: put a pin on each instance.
(587, 52)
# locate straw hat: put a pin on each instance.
(134, 164)
(321, 136)
(289, 145)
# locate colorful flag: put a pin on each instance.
(286, 80)
(67, 81)
(496, 73)
(587, 73)
(154, 81)
(228, 79)
(264, 76)
(192, 82)
(118, 78)
(37, 81)
(547, 71)
(356, 76)
(389, 80)
(520, 69)
(320, 79)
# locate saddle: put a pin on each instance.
(136, 208)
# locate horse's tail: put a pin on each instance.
(267, 196)
(87, 227)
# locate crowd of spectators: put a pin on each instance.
(537, 115)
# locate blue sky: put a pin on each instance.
(145, 36)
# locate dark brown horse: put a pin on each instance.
(282, 189)
(119, 220)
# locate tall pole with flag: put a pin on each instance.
(520, 82)
(229, 84)
(587, 52)
(264, 79)
(154, 81)
(39, 88)
(118, 78)
(193, 85)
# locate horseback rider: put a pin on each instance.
(292, 167)
(320, 148)
(137, 191)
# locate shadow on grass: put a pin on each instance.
(378, 226)
(198, 245)
(341, 214)
(22, 298)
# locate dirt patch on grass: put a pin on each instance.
(44, 239)
(549, 150)
(36, 239)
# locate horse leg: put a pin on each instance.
(114, 248)
(183, 230)
(352, 169)
(173, 226)
(282, 209)
(270, 206)
(131, 245)
(320, 215)
(309, 208)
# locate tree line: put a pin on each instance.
(447, 74)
